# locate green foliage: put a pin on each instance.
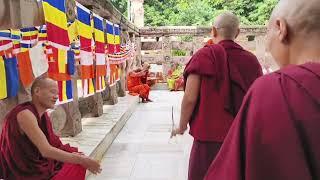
(178, 52)
(186, 38)
(121, 5)
(201, 12)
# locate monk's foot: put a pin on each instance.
(149, 100)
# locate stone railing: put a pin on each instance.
(163, 40)
(194, 31)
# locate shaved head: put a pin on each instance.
(294, 32)
(302, 16)
(227, 25)
(44, 93)
(42, 83)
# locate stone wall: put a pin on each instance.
(251, 38)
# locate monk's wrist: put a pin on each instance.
(183, 127)
(79, 159)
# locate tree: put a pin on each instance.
(121, 5)
(201, 12)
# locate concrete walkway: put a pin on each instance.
(143, 150)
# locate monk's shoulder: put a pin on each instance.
(207, 54)
(249, 56)
(25, 114)
(203, 52)
(266, 86)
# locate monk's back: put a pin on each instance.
(133, 81)
(244, 69)
(280, 120)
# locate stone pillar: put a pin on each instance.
(113, 95)
(136, 14)
(20, 13)
(166, 55)
(260, 49)
(122, 83)
(138, 52)
(198, 42)
(66, 118)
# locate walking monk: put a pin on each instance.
(135, 85)
(275, 135)
(29, 149)
(217, 78)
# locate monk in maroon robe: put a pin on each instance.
(217, 78)
(29, 149)
(276, 135)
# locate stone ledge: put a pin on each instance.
(98, 133)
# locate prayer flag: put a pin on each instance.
(117, 38)
(25, 68)
(56, 21)
(29, 37)
(12, 77)
(42, 36)
(16, 38)
(3, 79)
(101, 69)
(110, 38)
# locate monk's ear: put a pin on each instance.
(214, 32)
(238, 32)
(282, 28)
(36, 90)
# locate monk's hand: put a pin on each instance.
(92, 165)
(178, 131)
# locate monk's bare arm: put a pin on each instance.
(189, 100)
(29, 125)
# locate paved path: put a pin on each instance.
(143, 150)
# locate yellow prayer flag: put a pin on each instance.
(62, 60)
(3, 80)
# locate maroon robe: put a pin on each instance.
(244, 69)
(226, 71)
(276, 133)
(20, 158)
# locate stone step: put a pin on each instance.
(98, 133)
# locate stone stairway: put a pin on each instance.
(98, 133)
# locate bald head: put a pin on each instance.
(294, 32)
(227, 25)
(302, 16)
(42, 83)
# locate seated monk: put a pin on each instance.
(135, 86)
(175, 78)
(29, 149)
